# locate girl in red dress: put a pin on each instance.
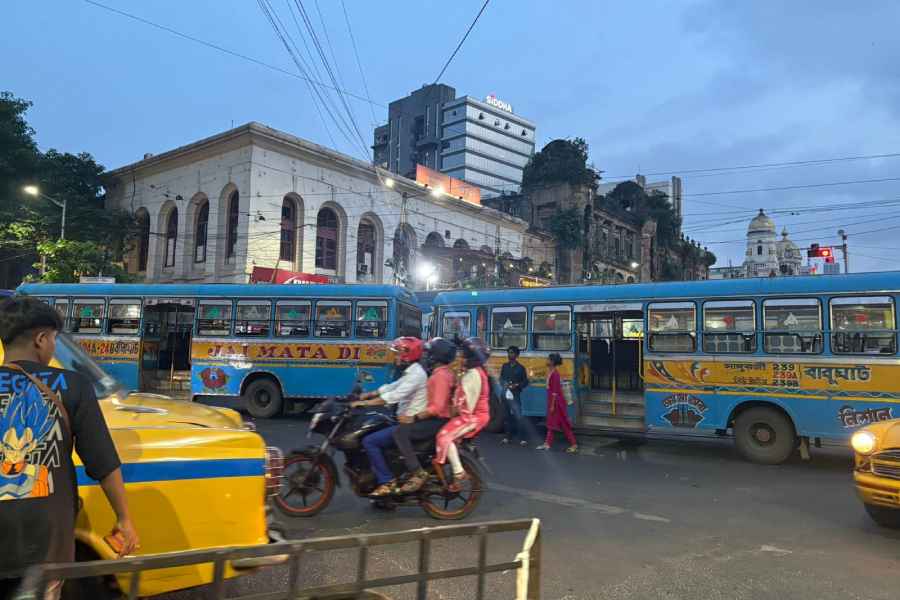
(557, 411)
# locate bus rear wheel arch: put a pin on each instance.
(262, 396)
(764, 433)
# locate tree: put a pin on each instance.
(560, 161)
(567, 228)
(27, 223)
(68, 260)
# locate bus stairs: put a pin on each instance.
(603, 411)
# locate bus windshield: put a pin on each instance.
(71, 356)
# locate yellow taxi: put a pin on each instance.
(196, 477)
(877, 472)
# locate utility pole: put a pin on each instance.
(843, 235)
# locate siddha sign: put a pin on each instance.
(497, 103)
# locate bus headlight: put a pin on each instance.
(863, 442)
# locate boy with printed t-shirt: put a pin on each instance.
(44, 412)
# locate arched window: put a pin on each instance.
(461, 244)
(365, 249)
(231, 226)
(171, 238)
(200, 233)
(326, 239)
(143, 239)
(288, 230)
(434, 240)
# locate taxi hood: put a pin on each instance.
(890, 436)
(150, 410)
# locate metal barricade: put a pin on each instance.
(526, 564)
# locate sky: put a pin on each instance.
(691, 88)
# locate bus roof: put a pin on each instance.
(216, 290)
(886, 281)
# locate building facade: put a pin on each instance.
(253, 196)
(671, 187)
(767, 256)
(481, 142)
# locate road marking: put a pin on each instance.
(774, 549)
(576, 503)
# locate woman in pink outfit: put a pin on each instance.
(557, 411)
(471, 407)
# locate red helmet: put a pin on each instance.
(408, 348)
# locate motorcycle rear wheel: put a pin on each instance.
(444, 505)
(306, 487)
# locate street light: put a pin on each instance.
(634, 265)
(33, 190)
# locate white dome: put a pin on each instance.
(761, 223)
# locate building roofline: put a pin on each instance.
(492, 109)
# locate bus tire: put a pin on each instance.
(764, 435)
(263, 398)
(883, 516)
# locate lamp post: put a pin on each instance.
(33, 190)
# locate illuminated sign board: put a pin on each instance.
(497, 103)
(450, 186)
(528, 281)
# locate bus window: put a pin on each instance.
(509, 326)
(333, 319)
(62, 307)
(729, 326)
(551, 328)
(481, 323)
(792, 326)
(124, 317)
(214, 317)
(410, 320)
(252, 318)
(455, 323)
(673, 327)
(87, 315)
(371, 319)
(292, 319)
(863, 325)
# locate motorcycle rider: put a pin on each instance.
(408, 393)
(472, 409)
(440, 353)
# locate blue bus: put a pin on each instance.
(778, 362)
(261, 344)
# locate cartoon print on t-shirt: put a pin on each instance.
(26, 423)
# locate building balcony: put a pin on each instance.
(425, 140)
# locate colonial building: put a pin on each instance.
(766, 255)
(215, 209)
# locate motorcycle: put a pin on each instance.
(310, 476)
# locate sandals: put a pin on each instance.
(415, 482)
(385, 489)
(542, 447)
(572, 449)
(455, 487)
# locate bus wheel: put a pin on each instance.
(764, 435)
(263, 398)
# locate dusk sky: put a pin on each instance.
(654, 87)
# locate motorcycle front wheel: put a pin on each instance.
(445, 505)
(307, 486)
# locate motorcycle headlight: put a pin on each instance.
(863, 442)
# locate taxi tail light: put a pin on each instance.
(274, 470)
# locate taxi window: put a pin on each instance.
(371, 319)
(214, 317)
(333, 319)
(252, 318)
(87, 315)
(292, 319)
(70, 355)
(124, 317)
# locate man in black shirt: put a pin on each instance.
(513, 379)
(44, 412)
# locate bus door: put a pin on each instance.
(166, 348)
(609, 341)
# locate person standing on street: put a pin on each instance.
(513, 379)
(44, 412)
(557, 411)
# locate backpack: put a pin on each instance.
(496, 406)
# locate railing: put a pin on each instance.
(527, 564)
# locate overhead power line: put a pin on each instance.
(233, 53)
(462, 41)
(362, 72)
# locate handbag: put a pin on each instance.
(568, 392)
